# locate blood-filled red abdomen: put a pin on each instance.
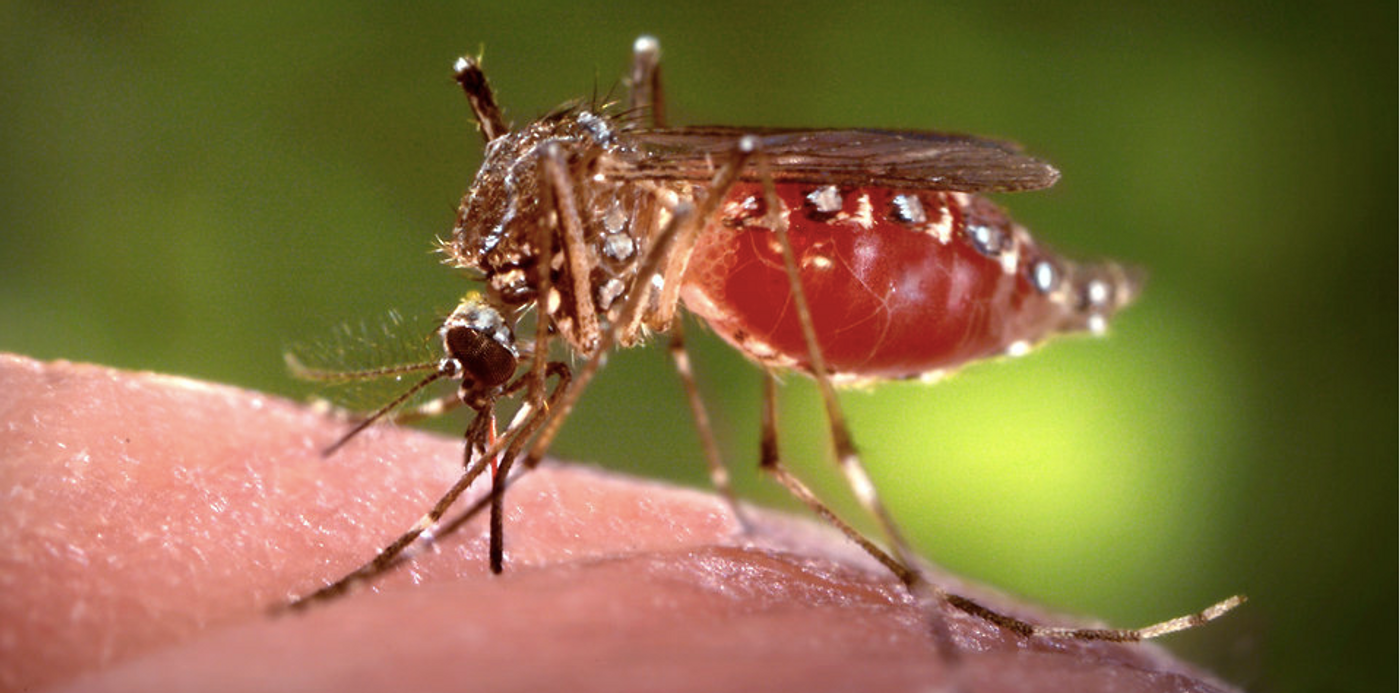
(900, 283)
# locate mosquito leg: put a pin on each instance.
(646, 81)
(901, 562)
(771, 462)
(497, 523)
(719, 474)
(678, 235)
(525, 425)
(1155, 630)
(925, 592)
(556, 171)
(846, 455)
(389, 555)
(526, 422)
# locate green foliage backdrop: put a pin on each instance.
(191, 189)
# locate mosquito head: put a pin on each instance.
(478, 340)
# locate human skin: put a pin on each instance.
(148, 524)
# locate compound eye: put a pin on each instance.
(484, 360)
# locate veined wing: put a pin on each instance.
(893, 158)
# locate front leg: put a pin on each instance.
(555, 169)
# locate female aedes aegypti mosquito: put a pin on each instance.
(850, 256)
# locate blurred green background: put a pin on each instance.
(192, 190)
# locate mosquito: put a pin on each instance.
(849, 256)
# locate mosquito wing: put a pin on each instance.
(894, 158)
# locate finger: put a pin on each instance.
(150, 522)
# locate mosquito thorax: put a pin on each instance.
(508, 209)
(479, 344)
